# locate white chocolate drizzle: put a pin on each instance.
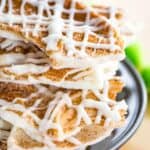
(34, 64)
(28, 68)
(8, 44)
(57, 99)
(56, 25)
(37, 74)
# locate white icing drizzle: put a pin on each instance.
(56, 25)
(74, 140)
(19, 58)
(8, 44)
(105, 107)
(13, 58)
(121, 23)
(9, 57)
(34, 63)
(27, 68)
(58, 29)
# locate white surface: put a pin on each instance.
(139, 11)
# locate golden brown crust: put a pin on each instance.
(106, 11)
(88, 134)
(37, 40)
(67, 115)
(115, 87)
(25, 141)
(9, 91)
(77, 36)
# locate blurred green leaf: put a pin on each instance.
(134, 54)
(145, 72)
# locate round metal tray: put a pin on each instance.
(135, 95)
